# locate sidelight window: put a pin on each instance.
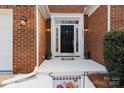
(57, 39)
(77, 40)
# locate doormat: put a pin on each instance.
(67, 81)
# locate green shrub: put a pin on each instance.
(48, 54)
(114, 55)
(87, 55)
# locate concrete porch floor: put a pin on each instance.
(78, 65)
(60, 66)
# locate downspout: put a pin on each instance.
(109, 18)
(37, 45)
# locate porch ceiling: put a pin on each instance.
(48, 9)
(66, 8)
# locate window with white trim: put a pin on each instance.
(67, 22)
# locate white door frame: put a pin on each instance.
(80, 26)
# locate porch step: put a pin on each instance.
(67, 58)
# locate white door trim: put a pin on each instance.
(68, 16)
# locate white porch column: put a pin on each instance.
(109, 18)
(37, 45)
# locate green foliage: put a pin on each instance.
(87, 55)
(48, 54)
(114, 54)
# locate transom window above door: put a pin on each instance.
(67, 22)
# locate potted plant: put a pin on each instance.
(48, 54)
(87, 55)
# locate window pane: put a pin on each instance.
(76, 39)
(57, 40)
(66, 22)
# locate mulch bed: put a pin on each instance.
(99, 80)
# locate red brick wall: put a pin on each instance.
(48, 39)
(66, 8)
(24, 38)
(42, 37)
(117, 17)
(96, 30)
(86, 45)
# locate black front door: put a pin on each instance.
(67, 39)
